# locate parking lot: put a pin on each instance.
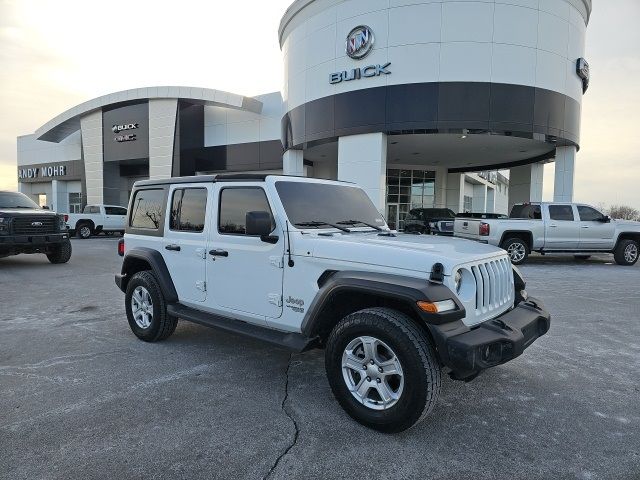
(81, 397)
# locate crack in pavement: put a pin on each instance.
(289, 414)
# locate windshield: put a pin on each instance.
(16, 200)
(321, 205)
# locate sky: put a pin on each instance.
(57, 54)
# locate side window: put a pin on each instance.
(92, 209)
(588, 214)
(188, 210)
(536, 212)
(234, 205)
(561, 212)
(115, 211)
(147, 209)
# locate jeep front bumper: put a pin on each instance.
(468, 351)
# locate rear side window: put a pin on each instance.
(147, 209)
(188, 210)
(532, 212)
(92, 209)
(115, 211)
(561, 212)
(235, 203)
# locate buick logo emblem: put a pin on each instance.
(360, 42)
(36, 224)
(126, 126)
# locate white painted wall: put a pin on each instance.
(91, 128)
(162, 122)
(225, 126)
(33, 151)
(564, 174)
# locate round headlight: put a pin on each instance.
(458, 281)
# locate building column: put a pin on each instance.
(162, 127)
(362, 159)
(525, 184)
(479, 203)
(565, 174)
(91, 127)
(491, 200)
(293, 163)
(455, 192)
(440, 200)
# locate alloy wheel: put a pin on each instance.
(631, 253)
(517, 252)
(372, 372)
(142, 307)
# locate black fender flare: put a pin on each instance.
(408, 290)
(154, 259)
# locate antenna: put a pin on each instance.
(291, 262)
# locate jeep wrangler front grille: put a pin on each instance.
(494, 285)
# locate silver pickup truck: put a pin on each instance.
(558, 228)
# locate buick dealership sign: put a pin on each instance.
(127, 137)
(360, 42)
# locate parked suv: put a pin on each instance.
(27, 228)
(431, 221)
(307, 263)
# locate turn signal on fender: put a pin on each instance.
(437, 307)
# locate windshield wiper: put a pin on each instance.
(318, 223)
(353, 223)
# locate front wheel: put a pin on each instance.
(517, 249)
(382, 369)
(60, 253)
(147, 310)
(627, 252)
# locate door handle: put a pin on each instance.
(584, 226)
(218, 253)
(553, 226)
(173, 248)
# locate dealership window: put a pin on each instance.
(235, 203)
(148, 207)
(408, 189)
(75, 202)
(467, 205)
(188, 210)
(561, 212)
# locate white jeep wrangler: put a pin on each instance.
(306, 263)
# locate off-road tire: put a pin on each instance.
(163, 325)
(619, 252)
(82, 229)
(60, 254)
(513, 242)
(421, 369)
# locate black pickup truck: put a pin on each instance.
(27, 228)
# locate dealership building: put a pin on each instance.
(424, 103)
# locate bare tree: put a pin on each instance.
(624, 212)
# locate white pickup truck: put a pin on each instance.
(558, 228)
(96, 219)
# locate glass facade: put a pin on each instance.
(408, 189)
(75, 203)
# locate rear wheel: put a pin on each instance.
(627, 252)
(517, 249)
(84, 231)
(382, 369)
(60, 254)
(147, 310)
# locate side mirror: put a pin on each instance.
(45, 207)
(259, 224)
(606, 219)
